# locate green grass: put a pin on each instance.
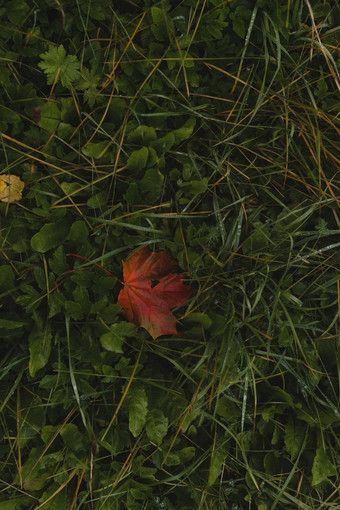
(209, 129)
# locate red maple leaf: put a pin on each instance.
(151, 289)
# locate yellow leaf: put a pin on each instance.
(11, 187)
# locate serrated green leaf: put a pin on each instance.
(88, 83)
(156, 426)
(57, 66)
(322, 467)
(138, 409)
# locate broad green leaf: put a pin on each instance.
(64, 130)
(112, 342)
(172, 459)
(95, 150)
(156, 426)
(81, 297)
(322, 467)
(50, 236)
(201, 318)
(8, 324)
(73, 438)
(74, 309)
(159, 25)
(8, 115)
(142, 134)
(124, 329)
(164, 144)
(216, 463)
(55, 304)
(132, 195)
(138, 409)
(294, 437)
(18, 503)
(40, 277)
(51, 499)
(58, 261)
(97, 200)
(16, 11)
(151, 185)
(153, 159)
(186, 454)
(6, 278)
(142, 471)
(114, 339)
(78, 233)
(272, 464)
(116, 110)
(49, 116)
(195, 187)
(39, 342)
(138, 159)
(227, 408)
(285, 337)
(219, 323)
(69, 187)
(157, 14)
(180, 456)
(185, 131)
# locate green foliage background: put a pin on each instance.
(208, 128)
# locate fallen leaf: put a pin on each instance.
(151, 289)
(11, 187)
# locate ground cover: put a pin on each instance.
(208, 129)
